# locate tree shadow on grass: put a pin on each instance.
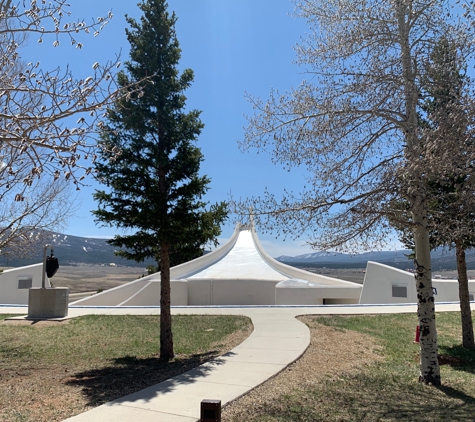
(456, 394)
(128, 374)
(458, 358)
(369, 397)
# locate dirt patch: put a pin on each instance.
(331, 354)
(450, 360)
(34, 323)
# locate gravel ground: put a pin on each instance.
(324, 359)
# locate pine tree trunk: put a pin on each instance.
(465, 311)
(429, 365)
(166, 336)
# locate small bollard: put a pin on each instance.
(210, 411)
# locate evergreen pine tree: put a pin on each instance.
(154, 189)
(451, 206)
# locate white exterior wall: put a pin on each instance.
(205, 292)
(379, 278)
(10, 294)
(149, 295)
(243, 292)
(238, 273)
(297, 296)
(448, 290)
(116, 295)
(315, 295)
(199, 292)
(377, 285)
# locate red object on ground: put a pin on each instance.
(418, 334)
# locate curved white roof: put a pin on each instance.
(243, 261)
(242, 264)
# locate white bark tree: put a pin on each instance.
(354, 125)
(48, 118)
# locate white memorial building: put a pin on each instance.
(242, 273)
(238, 273)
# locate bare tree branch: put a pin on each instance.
(49, 119)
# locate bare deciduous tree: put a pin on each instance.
(25, 223)
(354, 126)
(48, 118)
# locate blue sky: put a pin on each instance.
(233, 47)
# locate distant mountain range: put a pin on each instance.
(442, 259)
(337, 258)
(75, 250)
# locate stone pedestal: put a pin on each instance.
(48, 303)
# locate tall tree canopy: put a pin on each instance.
(354, 125)
(154, 186)
(446, 118)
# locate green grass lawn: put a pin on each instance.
(97, 339)
(51, 372)
(387, 389)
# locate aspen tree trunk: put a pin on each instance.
(465, 311)
(429, 365)
(166, 336)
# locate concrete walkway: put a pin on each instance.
(278, 339)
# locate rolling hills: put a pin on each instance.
(75, 250)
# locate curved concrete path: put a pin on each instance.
(278, 339)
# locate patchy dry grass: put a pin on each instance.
(358, 368)
(51, 371)
(365, 368)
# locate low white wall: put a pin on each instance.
(204, 292)
(301, 293)
(448, 290)
(297, 296)
(379, 278)
(199, 292)
(243, 292)
(378, 281)
(116, 295)
(149, 295)
(10, 294)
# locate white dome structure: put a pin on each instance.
(238, 273)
